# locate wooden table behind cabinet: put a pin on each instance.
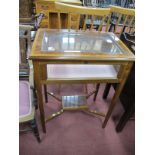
(48, 8)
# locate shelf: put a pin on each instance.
(74, 102)
(64, 71)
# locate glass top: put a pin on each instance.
(80, 42)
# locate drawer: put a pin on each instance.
(73, 25)
(45, 6)
(74, 17)
(44, 25)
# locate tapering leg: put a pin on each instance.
(37, 78)
(35, 129)
(45, 93)
(126, 71)
(112, 105)
(97, 89)
(106, 90)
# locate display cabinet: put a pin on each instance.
(68, 56)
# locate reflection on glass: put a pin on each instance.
(80, 42)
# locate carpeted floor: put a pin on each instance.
(77, 133)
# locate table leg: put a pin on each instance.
(38, 86)
(119, 88)
(97, 89)
(45, 93)
(106, 90)
(112, 105)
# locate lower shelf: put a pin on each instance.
(74, 102)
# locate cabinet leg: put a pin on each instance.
(106, 90)
(97, 89)
(112, 105)
(45, 93)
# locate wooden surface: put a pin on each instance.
(47, 6)
(41, 59)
